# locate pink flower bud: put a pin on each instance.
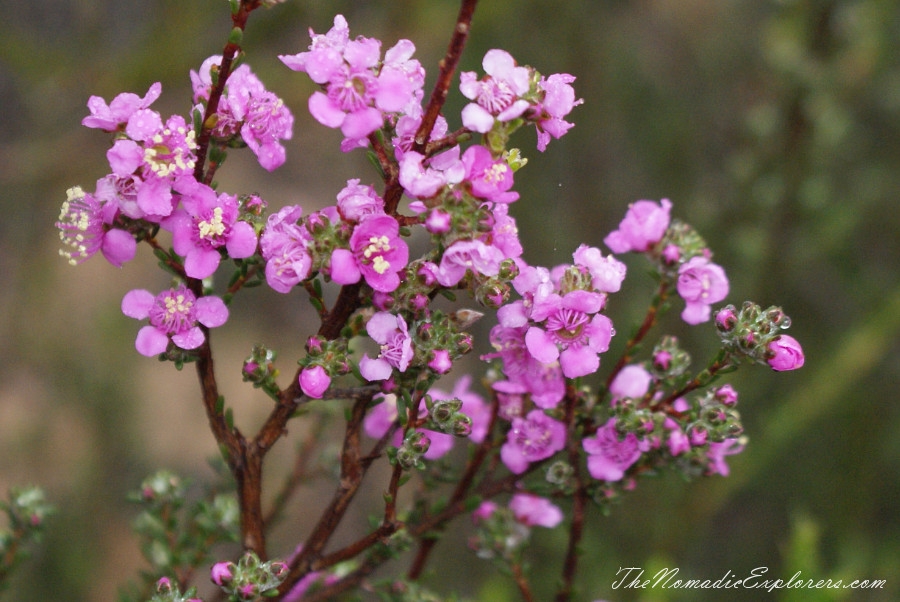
(221, 574)
(314, 381)
(786, 353)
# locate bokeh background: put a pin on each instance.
(774, 127)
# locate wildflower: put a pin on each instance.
(700, 283)
(558, 101)
(717, 452)
(570, 330)
(497, 95)
(204, 225)
(355, 202)
(222, 573)
(786, 353)
(112, 116)
(607, 273)
(468, 255)
(383, 417)
(392, 334)
(84, 228)
(174, 315)
(533, 510)
(424, 179)
(644, 225)
(609, 456)
(376, 253)
(246, 108)
(285, 247)
(532, 438)
(357, 92)
(489, 178)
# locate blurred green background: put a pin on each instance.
(774, 127)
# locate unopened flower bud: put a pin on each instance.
(785, 353)
(727, 395)
(222, 573)
(726, 319)
(462, 426)
(438, 221)
(383, 301)
(698, 434)
(440, 361)
(314, 381)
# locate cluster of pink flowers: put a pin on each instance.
(359, 87)
(246, 110)
(552, 327)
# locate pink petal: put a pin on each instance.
(324, 111)
(377, 369)
(211, 311)
(344, 269)
(242, 242)
(190, 339)
(150, 341)
(137, 303)
(201, 263)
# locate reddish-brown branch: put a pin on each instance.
(229, 53)
(352, 471)
(579, 501)
(445, 76)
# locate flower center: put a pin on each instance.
(352, 92)
(495, 95)
(213, 228)
(532, 438)
(495, 173)
(171, 152)
(173, 311)
(373, 253)
(567, 325)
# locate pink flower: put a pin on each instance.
(558, 101)
(786, 353)
(285, 247)
(111, 117)
(356, 201)
(609, 455)
(644, 225)
(314, 381)
(357, 90)
(174, 314)
(570, 330)
(533, 510)
(468, 255)
(700, 283)
(532, 438)
(632, 381)
(607, 273)
(489, 178)
(392, 334)
(85, 228)
(376, 253)
(204, 225)
(424, 179)
(544, 381)
(497, 95)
